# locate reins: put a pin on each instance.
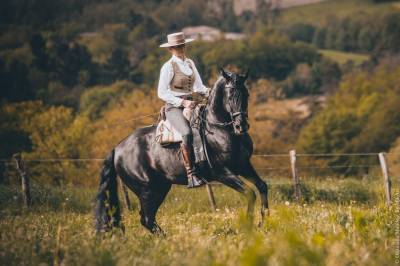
(223, 124)
(216, 123)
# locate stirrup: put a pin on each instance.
(194, 181)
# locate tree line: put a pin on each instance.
(355, 33)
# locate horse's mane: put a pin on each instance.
(218, 85)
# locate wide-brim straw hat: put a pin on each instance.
(175, 39)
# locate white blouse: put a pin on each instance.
(167, 73)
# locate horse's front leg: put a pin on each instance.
(249, 173)
(233, 181)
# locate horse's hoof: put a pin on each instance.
(161, 234)
(157, 231)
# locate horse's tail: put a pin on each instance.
(107, 211)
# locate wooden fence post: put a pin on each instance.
(211, 197)
(125, 195)
(386, 178)
(26, 192)
(296, 181)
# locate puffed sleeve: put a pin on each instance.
(198, 85)
(166, 75)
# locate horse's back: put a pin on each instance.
(139, 136)
(129, 152)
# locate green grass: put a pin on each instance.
(343, 57)
(349, 226)
(319, 12)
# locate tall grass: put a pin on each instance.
(341, 227)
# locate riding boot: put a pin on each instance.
(188, 159)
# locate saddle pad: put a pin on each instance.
(166, 133)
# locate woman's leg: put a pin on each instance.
(176, 118)
(179, 122)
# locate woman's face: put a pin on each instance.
(179, 50)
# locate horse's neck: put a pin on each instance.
(220, 138)
(215, 111)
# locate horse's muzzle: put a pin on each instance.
(240, 127)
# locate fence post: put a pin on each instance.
(125, 195)
(211, 197)
(26, 192)
(386, 178)
(296, 181)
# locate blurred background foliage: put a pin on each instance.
(323, 77)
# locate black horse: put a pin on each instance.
(149, 169)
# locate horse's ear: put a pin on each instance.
(247, 74)
(224, 74)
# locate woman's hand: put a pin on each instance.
(207, 94)
(188, 104)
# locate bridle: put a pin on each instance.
(232, 115)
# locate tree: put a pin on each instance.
(134, 19)
(361, 117)
(14, 138)
(301, 32)
(117, 67)
(15, 82)
(319, 38)
(96, 101)
(390, 37)
(38, 47)
(56, 133)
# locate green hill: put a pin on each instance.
(343, 57)
(317, 13)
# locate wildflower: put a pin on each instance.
(287, 203)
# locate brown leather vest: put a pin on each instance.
(181, 82)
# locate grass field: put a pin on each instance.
(343, 57)
(319, 12)
(339, 223)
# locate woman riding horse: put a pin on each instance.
(179, 78)
(149, 169)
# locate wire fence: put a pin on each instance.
(280, 169)
(10, 160)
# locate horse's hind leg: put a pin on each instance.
(150, 198)
(251, 175)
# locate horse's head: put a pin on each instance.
(235, 100)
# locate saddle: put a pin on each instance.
(167, 135)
